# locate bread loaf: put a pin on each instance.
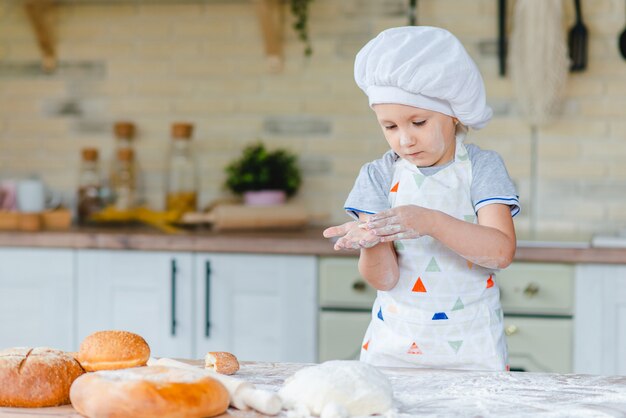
(36, 377)
(222, 362)
(147, 392)
(110, 350)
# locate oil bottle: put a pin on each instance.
(182, 182)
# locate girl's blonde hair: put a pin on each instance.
(461, 131)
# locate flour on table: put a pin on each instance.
(337, 389)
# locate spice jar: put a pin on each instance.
(89, 186)
(182, 184)
(123, 180)
(124, 133)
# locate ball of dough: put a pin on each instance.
(358, 387)
(333, 410)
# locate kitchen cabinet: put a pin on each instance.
(539, 344)
(149, 293)
(261, 307)
(600, 333)
(537, 301)
(565, 317)
(345, 304)
(341, 334)
(537, 288)
(341, 285)
(37, 298)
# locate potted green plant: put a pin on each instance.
(263, 177)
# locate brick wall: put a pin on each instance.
(203, 62)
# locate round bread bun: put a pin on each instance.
(222, 362)
(147, 392)
(36, 377)
(111, 350)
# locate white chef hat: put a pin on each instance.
(424, 67)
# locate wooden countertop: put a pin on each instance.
(303, 241)
(423, 392)
(307, 241)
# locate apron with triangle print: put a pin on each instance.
(445, 311)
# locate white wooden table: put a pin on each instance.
(437, 393)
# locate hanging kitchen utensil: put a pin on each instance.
(577, 41)
(412, 12)
(622, 42)
(502, 36)
(538, 63)
(538, 58)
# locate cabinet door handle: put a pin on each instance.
(531, 290)
(511, 330)
(359, 286)
(207, 299)
(173, 272)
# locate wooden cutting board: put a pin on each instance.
(234, 217)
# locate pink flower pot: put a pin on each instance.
(264, 198)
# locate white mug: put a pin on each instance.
(31, 196)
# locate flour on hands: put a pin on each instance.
(401, 222)
(352, 235)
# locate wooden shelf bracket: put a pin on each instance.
(270, 14)
(39, 16)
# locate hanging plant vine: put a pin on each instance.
(300, 10)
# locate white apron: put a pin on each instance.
(445, 311)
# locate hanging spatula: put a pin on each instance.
(622, 44)
(502, 36)
(577, 40)
(412, 12)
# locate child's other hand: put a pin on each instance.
(352, 236)
(401, 222)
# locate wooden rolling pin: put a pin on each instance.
(230, 217)
(243, 395)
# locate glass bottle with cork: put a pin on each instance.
(124, 181)
(182, 183)
(124, 134)
(89, 186)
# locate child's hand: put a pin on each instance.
(401, 222)
(352, 236)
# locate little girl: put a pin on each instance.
(434, 216)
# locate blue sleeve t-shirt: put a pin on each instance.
(490, 183)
